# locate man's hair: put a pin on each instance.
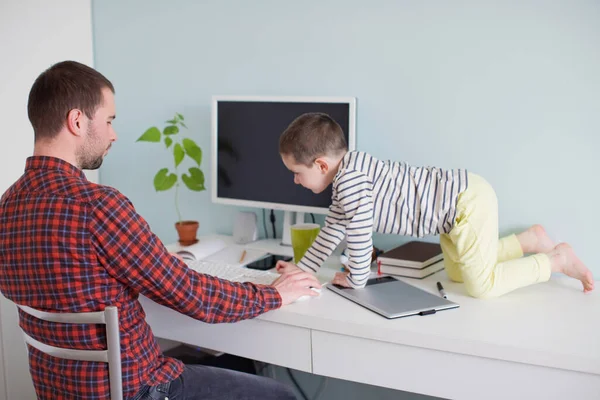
(61, 88)
(311, 136)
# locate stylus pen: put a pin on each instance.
(441, 290)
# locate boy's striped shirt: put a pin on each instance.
(387, 197)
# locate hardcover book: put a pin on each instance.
(415, 254)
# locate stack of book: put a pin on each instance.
(412, 260)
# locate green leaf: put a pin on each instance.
(192, 150)
(178, 153)
(195, 181)
(172, 121)
(170, 130)
(180, 116)
(151, 135)
(182, 124)
(168, 142)
(163, 180)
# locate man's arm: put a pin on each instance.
(133, 255)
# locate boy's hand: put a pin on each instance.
(340, 279)
(285, 267)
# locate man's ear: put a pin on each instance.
(322, 165)
(75, 121)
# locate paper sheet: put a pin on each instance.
(202, 249)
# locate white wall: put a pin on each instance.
(34, 34)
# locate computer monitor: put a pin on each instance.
(246, 166)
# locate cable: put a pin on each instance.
(272, 218)
(295, 382)
(265, 224)
(313, 217)
(321, 388)
(260, 367)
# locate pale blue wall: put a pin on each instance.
(507, 89)
(510, 90)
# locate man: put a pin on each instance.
(69, 245)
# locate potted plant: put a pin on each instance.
(165, 179)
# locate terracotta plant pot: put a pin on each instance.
(187, 232)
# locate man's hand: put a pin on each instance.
(284, 266)
(340, 279)
(292, 285)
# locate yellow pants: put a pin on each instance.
(473, 254)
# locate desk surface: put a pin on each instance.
(550, 325)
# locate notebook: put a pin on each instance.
(216, 249)
(415, 254)
(201, 249)
(393, 298)
(409, 272)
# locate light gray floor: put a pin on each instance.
(319, 388)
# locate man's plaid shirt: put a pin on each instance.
(69, 245)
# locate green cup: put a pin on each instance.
(303, 236)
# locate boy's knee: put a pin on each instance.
(479, 291)
(482, 295)
(454, 274)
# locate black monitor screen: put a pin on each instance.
(248, 160)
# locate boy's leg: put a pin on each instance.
(451, 259)
(535, 240)
(509, 248)
(475, 249)
(532, 240)
(211, 383)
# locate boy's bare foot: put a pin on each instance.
(535, 240)
(563, 259)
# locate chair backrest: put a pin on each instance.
(112, 354)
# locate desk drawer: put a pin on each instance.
(266, 341)
(444, 374)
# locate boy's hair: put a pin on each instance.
(311, 136)
(61, 88)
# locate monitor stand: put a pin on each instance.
(286, 240)
(281, 246)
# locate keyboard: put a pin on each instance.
(232, 273)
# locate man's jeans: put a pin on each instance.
(199, 382)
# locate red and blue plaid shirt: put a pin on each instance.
(69, 245)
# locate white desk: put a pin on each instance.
(538, 342)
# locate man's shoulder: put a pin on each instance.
(90, 192)
(96, 193)
(8, 193)
(40, 183)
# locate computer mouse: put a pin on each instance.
(306, 297)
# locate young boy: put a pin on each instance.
(393, 197)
